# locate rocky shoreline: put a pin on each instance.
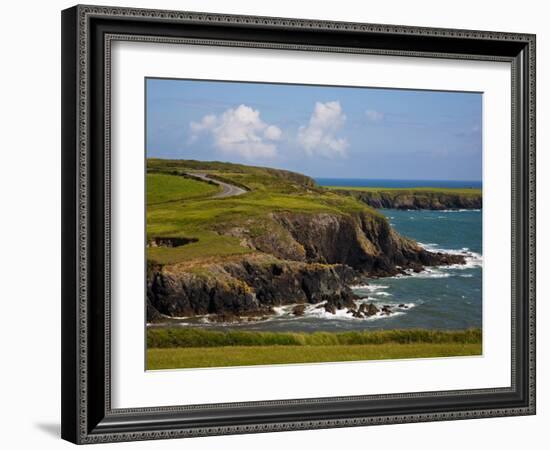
(418, 200)
(302, 259)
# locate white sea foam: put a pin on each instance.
(427, 245)
(318, 311)
(457, 210)
(282, 310)
(473, 259)
(428, 272)
(176, 317)
(379, 315)
(377, 287)
(369, 287)
(321, 313)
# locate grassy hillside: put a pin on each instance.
(180, 207)
(250, 176)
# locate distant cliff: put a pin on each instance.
(436, 199)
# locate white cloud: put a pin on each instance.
(207, 122)
(319, 136)
(374, 116)
(240, 131)
(272, 132)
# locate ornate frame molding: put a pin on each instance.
(80, 423)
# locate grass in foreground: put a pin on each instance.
(172, 348)
(196, 337)
(196, 357)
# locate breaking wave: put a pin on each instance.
(318, 311)
(473, 259)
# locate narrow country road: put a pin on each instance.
(228, 190)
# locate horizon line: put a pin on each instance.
(396, 179)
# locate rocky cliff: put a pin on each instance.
(300, 258)
(244, 287)
(407, 199)
(285, 241)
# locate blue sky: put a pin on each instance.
(320, 131)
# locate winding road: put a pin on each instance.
(228, 190)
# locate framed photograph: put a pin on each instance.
(279, 224)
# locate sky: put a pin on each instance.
(321, 131)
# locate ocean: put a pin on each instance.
(437, 298)
(361, 182)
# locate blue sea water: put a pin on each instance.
(362, 182)
(437, 298)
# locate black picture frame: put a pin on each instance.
(87, 415)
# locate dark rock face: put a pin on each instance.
(185, 294)
(364, 242)
(152, 313)
(368, 309)
(311, 258)
(325, 238)
(246, 287)
(364, 311)
(428, 200)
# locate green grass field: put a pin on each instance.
(163, 188)
(180, 207)
(195, 357)
(170, 348)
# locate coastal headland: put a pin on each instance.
(280, 239)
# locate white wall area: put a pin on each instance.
(30, 225)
